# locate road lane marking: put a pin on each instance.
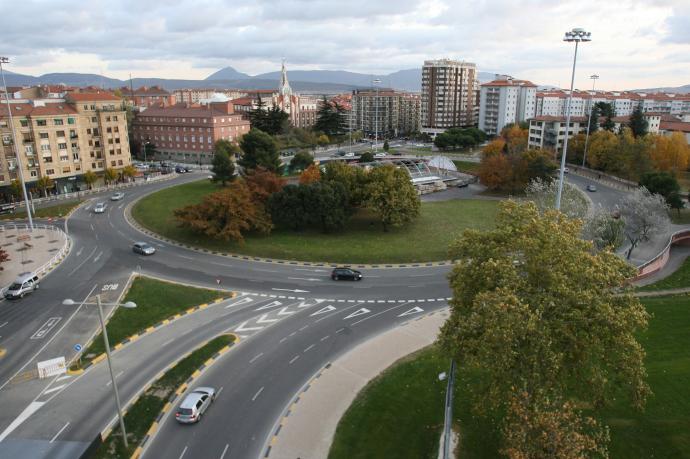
(415, 310)
(313, 270)
(225, 450)
(62, 378)
(53, 389)
(82, 263)
(294, 359)
(28, 411)
(377, 314)
(264, 320)
(340, 329)
(310, 347)
(116, 376)
(242, 328)
(81, 249)
(310, 279)
(3, 324)
(45, 328)
(168, 342)
(358, 312)
(185, 257)
(183, 451)
(256, 357)
(239, 302)
(219, 391)
(323, 310)
(59, 432)
(270, 305)
(325, 338)
(303, 328)
(258, 393)
(282, 340)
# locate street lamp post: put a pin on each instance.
(5, 60)
(376, 120)
(129, 305)
(577, 35)
(589, 120)
(146, 148)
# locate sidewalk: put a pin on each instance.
(35, 251)
(308, 425)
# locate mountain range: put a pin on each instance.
(685, 89)
(319, 81)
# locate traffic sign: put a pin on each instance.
(77, 347)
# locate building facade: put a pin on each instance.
(448, 95)
(187, 133)
(63, 139)
(504, 101)
(555, 102)
(548, 132)
(195, 96)
(146, 96)
(390, 113)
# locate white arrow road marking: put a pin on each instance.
(264, 320)
(323, 310)
(270, 305)
(59, 432)
(239, 302)
(308, 303)
(312, 279)
(242, 328)
(53, 389)
(285, 312)
(81, 249)
(28, 411)
(294, 290)
(358, 312)
(98, 257)
(415, 310)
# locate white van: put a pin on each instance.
(23, 284)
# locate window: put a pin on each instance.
(41, 123)
(24, 123)
(66, 170)
(34, 174)
(60, 133)
(45, 147)
(93, 107)
(113, 163)
(29, 149)
(70, 121)
(86, 107)
(115, 119)
(107, 118)
(109, 129)
(62, 146)
(64, 158)
(117, 129)
(119, 162)
(75, 156)
(43, 135)
(58, 122)
(77, 167)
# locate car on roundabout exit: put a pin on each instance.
(343, 273)
(195, 405)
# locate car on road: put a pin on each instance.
(117, 196)
(99, 208)
(566, 170)
(23, 284)
(180, 170)
(7, 208)
(349, 154)
(346, 274)
(195, 405)
(380, 155)
(143, 248)
(591, 188)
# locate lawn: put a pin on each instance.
(400, 412)
(57, 210)
(146, 409)
(678, 279)
(680, 218)
(467, 166)
(426, 239)
(156, 300)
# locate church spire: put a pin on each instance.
(284, 89)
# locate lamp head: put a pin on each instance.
(68, 302)
(129, 305)
(578, 34)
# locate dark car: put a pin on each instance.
(143, 248)
(180, 170)
(346, 274)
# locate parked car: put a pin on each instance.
(566, 170)
(117, 196)
(23, 284)
(195, 405)
(99, 208)
(591, 188)
(7, 208)
(349, 154)
(143, 248)
(380, 155)
(346, 274)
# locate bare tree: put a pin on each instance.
(543, 194)
(604, 229)
(644, 214)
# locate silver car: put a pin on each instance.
(99, 208)
(117, 196)
(143, 248)
(195, 405)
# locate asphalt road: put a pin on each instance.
(286, 337)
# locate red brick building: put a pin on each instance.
(148, 96)
(187, 133)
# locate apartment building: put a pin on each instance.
(555, 102)
(390, 113)
(506, 100)
(548, 132)
(448, 95)
(147, 96)
(187, 133)
(63, 139)
(196, 95)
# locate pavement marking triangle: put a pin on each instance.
(358, 312)
(308, 303)
(264, 320)
(272, 304)
(323, 310)
(243, 328)
(415, 310)
(239, 302)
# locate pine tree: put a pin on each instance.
(638, 124)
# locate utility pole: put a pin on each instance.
(589, 120)
(376, 120)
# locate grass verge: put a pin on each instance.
(680, 218)
(156, 301)
(466, 166)
(55, 211)
(680, 278)
(426, 239)
(141, 415)
(402, 410)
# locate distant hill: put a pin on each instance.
(678, 89)
(227, 73)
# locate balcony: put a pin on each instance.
(27, 140)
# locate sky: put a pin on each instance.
(635, 44)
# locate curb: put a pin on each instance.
(150, 434)
(323, 264)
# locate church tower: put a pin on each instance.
(284, 91)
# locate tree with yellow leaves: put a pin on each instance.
(310, 175)
(670, 153)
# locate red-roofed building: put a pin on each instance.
(505, 100)
(549, 131)
(146, 96)
(187, 133)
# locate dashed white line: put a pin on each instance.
(168, 342)
(256, 357)
(294, 359)
(59, 432)
(3, 324)
(377, 314)
(257, 393)
(292, 334)
(183, 451)
(304, 328)
(219, 391)
(282, 340)
(311, 346)
(340, 329)
(53, 389)
(225, 450)
(325, 338)
(116, 376)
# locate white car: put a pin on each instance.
(349, 155)
(99, 208)
(117, 196)
(380, 155)
(195, 405)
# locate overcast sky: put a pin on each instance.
(635, 43)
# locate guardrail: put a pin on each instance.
(658, 262)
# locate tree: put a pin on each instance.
(259, 149)
(258, 116)
(44, 183)
(494, 147)
(606, 110)
(16, 189)
(223, 167)
(262, 184)
(603, 152)
(129, 171)
(634, 154)
(386, 146)
(638, 124)
(109, 175)
(604, 230)
(288, 208)
(666, 185)
(670, 153)
(323, 204)
(276, 121)
(366, 157)
(329, 118)
(543, 194)
(4, 256)
(301, 161)
(645, 214)
(495, 171)
(538, 165)
(226, 214)
(391, 195)
(515, 138)
(537, 313)
(150, 151)
(89, 178)
(310, 175)
(354, 179)
(323, 140)
(594, 119)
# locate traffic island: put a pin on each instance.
(158, 304)
(145, 412)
